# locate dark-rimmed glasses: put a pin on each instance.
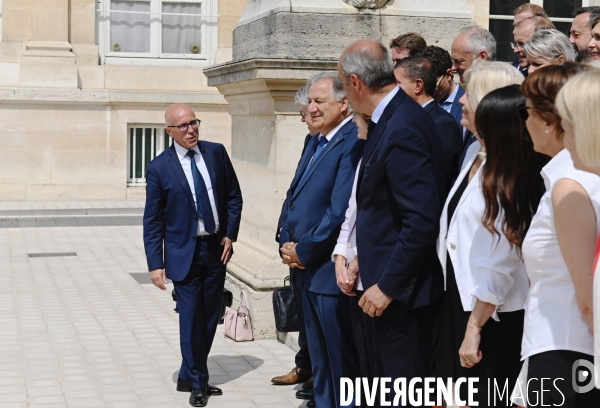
(523, 111)
(184, 126)
(518, 45)
(303, 115)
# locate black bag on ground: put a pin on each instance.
(284, 307)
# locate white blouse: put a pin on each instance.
(552, 318)
(486, 266)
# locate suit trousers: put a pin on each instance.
(199, 303)
(331, 344)
(303, 355)
(398, 343)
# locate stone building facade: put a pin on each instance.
(68, 106)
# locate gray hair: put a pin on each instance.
(337, 90)
(549, 44)
(478, 39)
(375, 70)
(301, 97)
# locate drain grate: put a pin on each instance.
(51, 254)
(84, 221)
(143, 278)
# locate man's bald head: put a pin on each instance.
(370, 61)
(174, 113)
(182, 115)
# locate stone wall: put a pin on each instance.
(65, 117)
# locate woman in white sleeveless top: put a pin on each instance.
(558, 252)
(578, 104)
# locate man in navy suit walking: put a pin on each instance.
(316, 206)
(399, 196)
(193, 210)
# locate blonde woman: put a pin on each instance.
(558, 252)
(548, 47)
(577, 105)
(486, 284)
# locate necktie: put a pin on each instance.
(322, 142)
(202, 200)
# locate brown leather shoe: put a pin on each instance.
(297, 375)
(308, 385)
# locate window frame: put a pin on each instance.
(159, 134)
(584, 3)
(208, 34)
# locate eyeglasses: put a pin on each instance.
(514, 45)
(522, 109)
(303, 115)
(439, 81)
(184, 126)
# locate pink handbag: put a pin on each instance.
(237, 324)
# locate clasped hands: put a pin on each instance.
(289, 255)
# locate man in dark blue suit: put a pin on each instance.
(303, 370)
(399, 196)
(193, 209)
(317, 203)
(417, 77)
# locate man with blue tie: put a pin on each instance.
(317, 203)
(193, 210)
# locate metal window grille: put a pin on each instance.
(144, 144)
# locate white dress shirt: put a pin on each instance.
(346, 243)
(383, 104)
(552, 318)
(184, 159)
(486, 267)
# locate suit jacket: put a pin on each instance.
(451, 139)
(399, 198)
(170, 216)
(287, 194)
(486, 266)
(317, 205)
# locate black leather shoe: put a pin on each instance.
(210, 390)
(311, 404)
(198, 398)
(184, 385)
(305, 394)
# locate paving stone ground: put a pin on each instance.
(79, 331)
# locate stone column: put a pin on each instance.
(41, 28)
(277, 46)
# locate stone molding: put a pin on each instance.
(259, 9)
(266, 68)
(370, 4)
(65, 96)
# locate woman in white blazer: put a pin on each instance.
(483, 223)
